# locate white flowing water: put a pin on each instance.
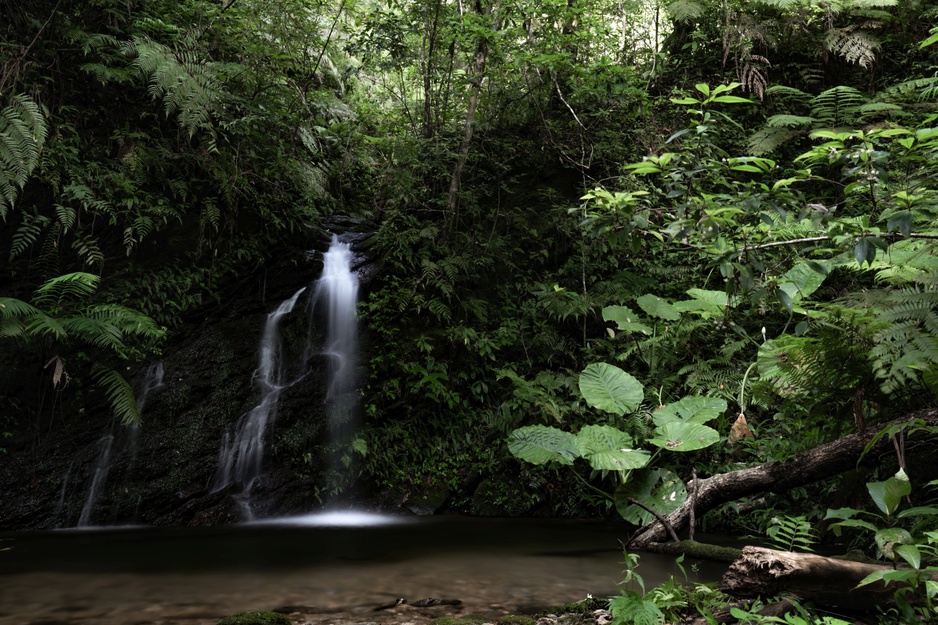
(97, 481)
(337, 292)
(151, 382)
(241, 455)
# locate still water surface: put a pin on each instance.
(319, 569)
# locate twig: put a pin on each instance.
(660, 518)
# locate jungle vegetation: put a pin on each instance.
(598, 223)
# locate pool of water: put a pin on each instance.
(336, 569)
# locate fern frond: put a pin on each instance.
(77, 285)
(837, 106)
(685, 10)
(10, 307)
(119, 394)
(790, 121)
(127, 321)
(768, 139)
(88, 250)
(877, 110)
(27, 234)
(95, 332)
(44, 325)
(908, 346)
(186, 85)
(854, 45)
(23, 132)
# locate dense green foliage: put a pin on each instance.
(601, 227)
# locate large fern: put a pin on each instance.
(22, 134)
(906, 349)
(188, 86)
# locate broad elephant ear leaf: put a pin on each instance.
(695, 409)
(611, 389)
(609, 449)
(539, 444)
(657, 307)
(659, 489)
(684, 436)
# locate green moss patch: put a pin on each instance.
(255, 618)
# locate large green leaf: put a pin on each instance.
(657, 307)
(684, 436)
(538, 444)
(705, 303)
(887, 495)
(609, 449)
(804, 279)
(659, 489)
(625, 319)
(694, 409)
(611, 389)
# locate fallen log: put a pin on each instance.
(694, 549)
(777, 477)
(761, 572)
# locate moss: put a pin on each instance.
(585, 606)
(255, 618)
(469, 619)
(514, 619)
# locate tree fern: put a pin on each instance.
(187, 86)
(22, 134)
(685, 10)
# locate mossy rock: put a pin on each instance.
(469, 619)
(255, 618)
(515, 619)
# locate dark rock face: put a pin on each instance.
(163, 472)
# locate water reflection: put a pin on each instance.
(325, 574)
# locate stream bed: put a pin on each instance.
(316, 569)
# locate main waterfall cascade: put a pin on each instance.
(333, 300)
(337, 292)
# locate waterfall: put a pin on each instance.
(240, 455)
(332, 304)
(337, 292)
(152, 381)
(100, 474)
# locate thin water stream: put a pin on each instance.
(321, 573)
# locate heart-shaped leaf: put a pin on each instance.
(684, 436)
(611, 389)
(609, 449)
(538, 444)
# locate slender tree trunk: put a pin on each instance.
(477, 72)
(431, 28)
(778, 477)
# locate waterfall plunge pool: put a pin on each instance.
(336, 574)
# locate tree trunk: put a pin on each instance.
(761, 572)
(820, 463)
(477, 75)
